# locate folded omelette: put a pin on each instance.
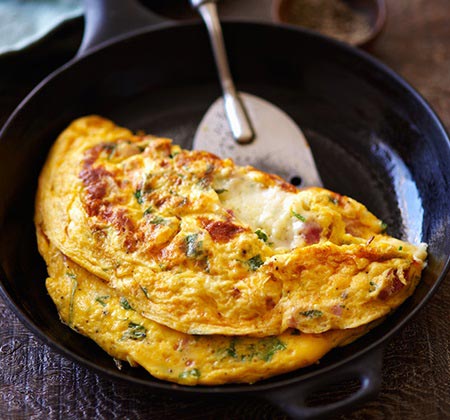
(202, 271)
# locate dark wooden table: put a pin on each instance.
(36, 382)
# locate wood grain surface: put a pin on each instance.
(36, 382)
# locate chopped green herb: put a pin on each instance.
(207, 265)
(72, 295)
(110, 148)
(221, 190)
(192, 373)
(313, 313)
(269, 346)
(158, 220)
(138, 195)
(135, 332)
(334, 200)
(231, 350)
(101, 299)
(125, 305)
(384, 227)
(261, 235)
(144, 289)
(148, 210)
(255, 262)
(400, 248)
(263, 349)
(298, 216)
(193, 245)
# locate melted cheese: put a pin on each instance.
(268, 209)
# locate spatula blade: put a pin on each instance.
(279, 146)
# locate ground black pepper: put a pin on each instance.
(334, 18)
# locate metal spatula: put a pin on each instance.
(249, 129)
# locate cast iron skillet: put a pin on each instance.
(373, 136)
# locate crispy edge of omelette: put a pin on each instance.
(90, 307)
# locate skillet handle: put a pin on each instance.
(107, 19)
(293, 399)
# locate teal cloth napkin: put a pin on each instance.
(23, 22)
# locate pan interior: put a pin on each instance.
(372, 137)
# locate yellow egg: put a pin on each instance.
(200, 247)
(87, 305)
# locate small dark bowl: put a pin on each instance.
(374, 12)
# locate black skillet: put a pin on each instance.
(373, 136)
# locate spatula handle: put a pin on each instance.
(240, 125)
